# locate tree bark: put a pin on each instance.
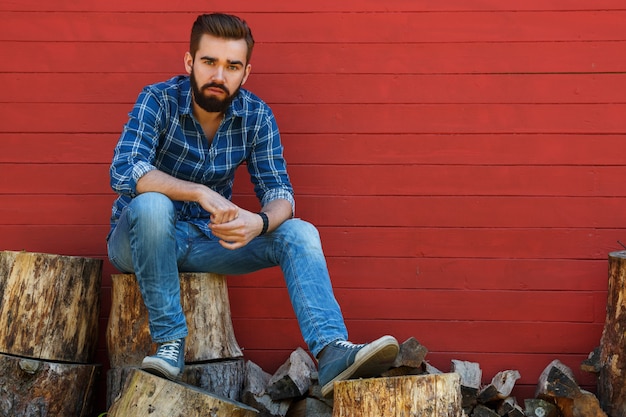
(35, 388)
(146, 395)
(424, 395)
(611, 387)
(49, 306)
(222, 378)
(204, 298)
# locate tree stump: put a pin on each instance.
(34, 388)
(204, 298)
(421, 395)
(146, 395)
(49, 306)
(611, 387)
(222, 378)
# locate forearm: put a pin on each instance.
(277, 211)
(174, 188)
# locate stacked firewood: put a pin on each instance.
(293, 391)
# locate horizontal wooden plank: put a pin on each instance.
(435, 88)
(451, 149)
(374, 211)
(472, 243)
(351, 118)
(452, 118)
(362, 58)
(472, 211)
(325, 27)
(451, 273)
(56, 209)
(319, 6)
(440, 336)
(457, 180)
(375, 180)
(334, 88)
(392, 304)
(563, 244)
(70, 240)
(363, 181)
(55, 148)
(363, 149)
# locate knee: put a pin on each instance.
(300, 232)
(152, 204)
(152, 210)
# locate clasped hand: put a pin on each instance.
(234, 226)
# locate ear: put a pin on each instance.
(188, 61)
(246, 74)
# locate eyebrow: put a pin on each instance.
(231, 62)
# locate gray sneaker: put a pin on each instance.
(169, 360)
(342, 360)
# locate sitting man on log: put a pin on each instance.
(173, 169)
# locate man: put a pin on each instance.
(173, 169)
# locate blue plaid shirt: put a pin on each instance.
(163, 134)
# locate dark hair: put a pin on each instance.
(223, 26)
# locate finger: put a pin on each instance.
(230, 245)
(225, 216)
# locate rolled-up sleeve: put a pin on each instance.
(267, 165)
(135, 151)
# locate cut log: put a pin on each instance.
(535, 407)
(34, 388)
(557, 380)
(423, 395)
(255, 394)
(146, 395)
(293, 378)
(410, 360)
(431, 370)
(557, 384)
(310, 407)
(483, 411)
(411, 354)
(469, 372)
(592, 363)
(504, 382)
(204, 298)
(222, 378)
(517, 411)
(506, 406)
(584, 405)
(49, 306)
(471, 377)
(611, 387)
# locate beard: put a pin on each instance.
(211, 104)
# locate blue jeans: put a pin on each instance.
(149, 242)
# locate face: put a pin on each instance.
(217, 72)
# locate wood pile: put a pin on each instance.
(293, 391)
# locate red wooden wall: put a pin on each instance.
(461, 159)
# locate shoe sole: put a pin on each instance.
(162, 370)
(374, 359)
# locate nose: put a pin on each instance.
(218, 75)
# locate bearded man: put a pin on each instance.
(174, 168)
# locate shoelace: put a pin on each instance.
(169, 350)
(349, 345)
